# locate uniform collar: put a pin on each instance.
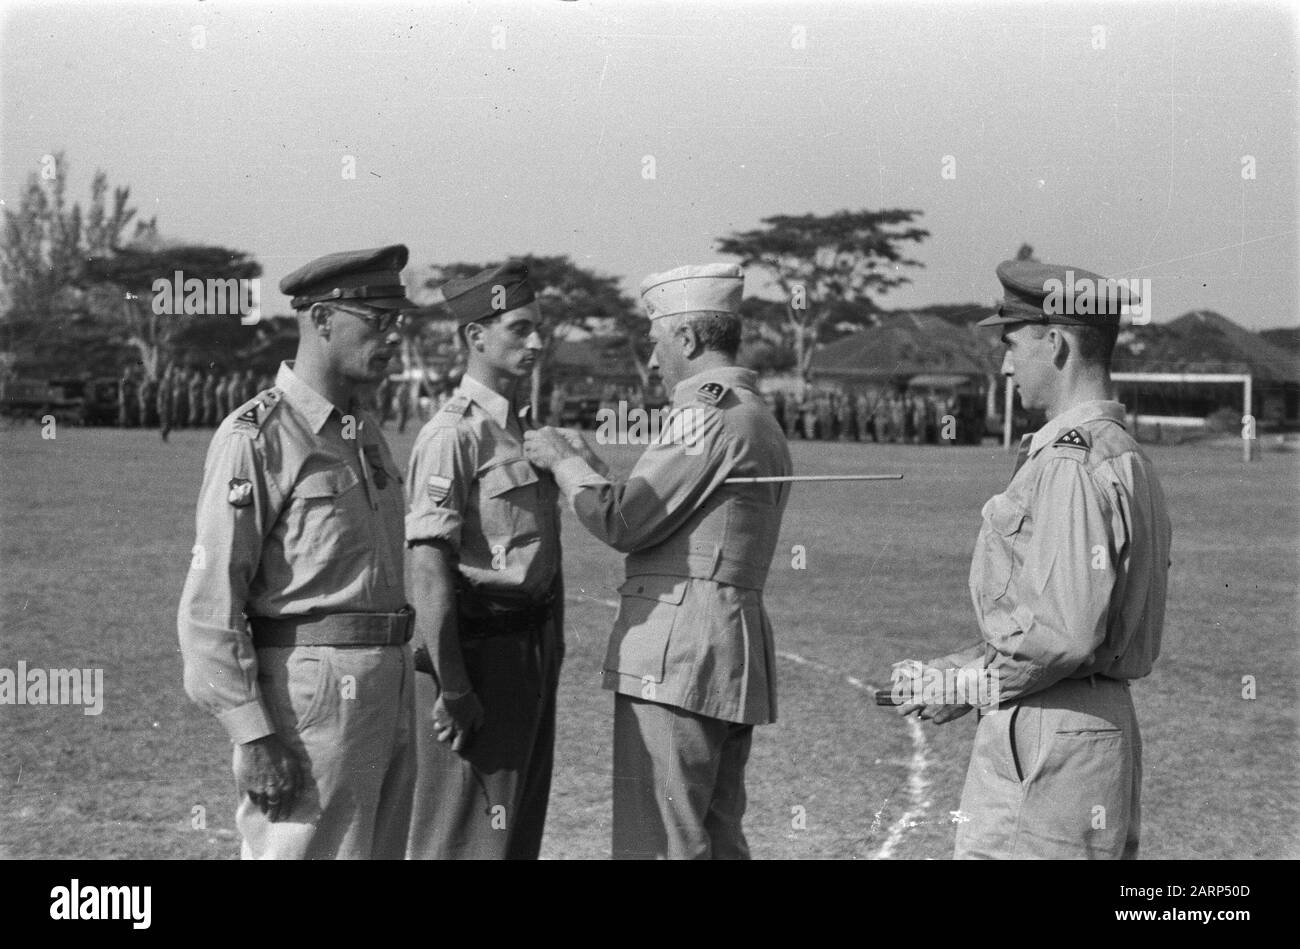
(306, 401)
(1076, 415)
(732, 376)
(496, 405)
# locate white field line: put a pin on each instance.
(918, 785)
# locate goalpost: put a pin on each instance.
(1231, 378)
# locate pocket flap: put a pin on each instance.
(507, 476)
(1004, 515)
(325, 484)
(663, 589)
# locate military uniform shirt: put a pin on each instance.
(1069, 572)
(692, 631)
(470, 485)
(300, 513)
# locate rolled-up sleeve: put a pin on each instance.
(235, 512)
(1062, 594)
(438, 483)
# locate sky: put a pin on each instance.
(1139, 140)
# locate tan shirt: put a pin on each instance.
(300, 513)
(1070, 569)
(470, 485)
(691, 629)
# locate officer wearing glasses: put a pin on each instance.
(293, 622)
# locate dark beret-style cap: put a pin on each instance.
(1052, 293)
(488, 293)
(372, 277)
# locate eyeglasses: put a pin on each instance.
(381, 320)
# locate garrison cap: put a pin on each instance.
(1053, 293)
(489, 292)
(690, 289)
(372, 277)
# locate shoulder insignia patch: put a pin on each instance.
(240, 493)
(254, 413)
(711, 393)
(1072, 439)
(452, 409)
(438, 488)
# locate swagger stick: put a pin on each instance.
(776, 479)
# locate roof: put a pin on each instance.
(910, 344)
(1204, 341)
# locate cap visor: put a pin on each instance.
(998, 319)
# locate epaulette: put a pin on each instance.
(1073, 439)
(252, 415)
(711, 393)
(451, 410)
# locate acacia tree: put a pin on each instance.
(123, 283)
(821, 261)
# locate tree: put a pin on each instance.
(123, 283)
(819, 261)
(50, 320)
(569, 295)
(1026, 252)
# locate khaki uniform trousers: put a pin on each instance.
(679, 783)
(1057, 775)
(488, 801)
(346, 712)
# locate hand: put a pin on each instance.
(546, 447)
(455, 717)
(939, 714)
(579, 444)
(909, 677)
(268, 772)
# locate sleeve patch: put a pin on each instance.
(438, 488)
(240, 493)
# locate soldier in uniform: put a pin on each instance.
(167, 389)
(221, 398)
(180, 403)
(483, 531)
(866, 424)
(146, 398)
(1068, 582)
(691, 658)
(196, 397)
(210, 418)
(293, 623)
(125, 398)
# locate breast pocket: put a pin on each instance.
(1004, 523)
(647, 612)
(318, 526)
(508, 502)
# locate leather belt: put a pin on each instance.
(333, 629)
(481, 623)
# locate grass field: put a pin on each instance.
(97, 528)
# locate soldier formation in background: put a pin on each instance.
(856, 417)
(183, 397)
